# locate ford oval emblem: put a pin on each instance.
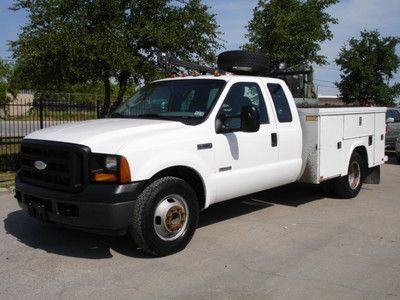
(40, 165)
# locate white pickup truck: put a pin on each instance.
(180, 145)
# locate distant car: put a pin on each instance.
(398, 149)
(393, 127)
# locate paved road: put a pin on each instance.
(288, 243)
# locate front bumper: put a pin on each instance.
(102, 208)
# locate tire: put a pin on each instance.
(165, 216)
(398, 158)
(243, 62)
(349, 186)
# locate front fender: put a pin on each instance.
(143, 168)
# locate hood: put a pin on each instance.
(105, 135)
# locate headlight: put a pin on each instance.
(109, 168)
(111, 163)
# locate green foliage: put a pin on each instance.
(290, 31)
(367, 65)
(5, 87)
(76, 42)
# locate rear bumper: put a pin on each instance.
(102, 208)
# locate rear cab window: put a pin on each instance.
(281, 103)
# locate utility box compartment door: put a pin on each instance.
(331, 157)
(379, 138)
(358, 125)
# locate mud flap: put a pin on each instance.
(373, 175)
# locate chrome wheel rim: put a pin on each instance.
(354, 175)
(171, 217)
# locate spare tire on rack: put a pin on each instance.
(243, 62)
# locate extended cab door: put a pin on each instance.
(288, 128)
(245, 162)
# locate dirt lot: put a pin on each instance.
(288, 243)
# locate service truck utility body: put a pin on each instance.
(178, 168)
(331, 134)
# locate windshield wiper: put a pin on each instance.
(155, 116)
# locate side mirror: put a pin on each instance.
(249, 119)
(390, 120)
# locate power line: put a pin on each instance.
(328, 68)
(324, 80)
(326, 86)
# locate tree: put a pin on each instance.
(290, 31)
(87, 41)
(367, 65)
(6, 90)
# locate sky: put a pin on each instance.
(233, 16)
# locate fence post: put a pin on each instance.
(41, 111)
(97, 107)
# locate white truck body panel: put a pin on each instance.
(331, 134)
(239, 163)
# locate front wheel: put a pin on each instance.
(350, 185)
(165, 216)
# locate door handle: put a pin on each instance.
(274, 139)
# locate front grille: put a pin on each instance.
(66, 165)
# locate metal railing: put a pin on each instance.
(28, 113)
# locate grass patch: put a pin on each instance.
(7, 179)
(9, 148)
(9, 153)
(8, 162)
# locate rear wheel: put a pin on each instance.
(165, 216)
(350, 185)
(398, 158)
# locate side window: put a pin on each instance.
(396, 115)
(243, 94)
(280, 102)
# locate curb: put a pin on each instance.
(7, 190)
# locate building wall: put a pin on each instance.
(20, 105)
(330, 101)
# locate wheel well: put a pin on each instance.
(360, 150)
(190, 176)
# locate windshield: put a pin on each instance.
(173, 99)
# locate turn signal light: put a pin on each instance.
(101, 177)
(109, 168)
(124, 171)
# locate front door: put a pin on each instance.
(244, 161)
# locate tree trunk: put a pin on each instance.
(107, 96)
(123, 83)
